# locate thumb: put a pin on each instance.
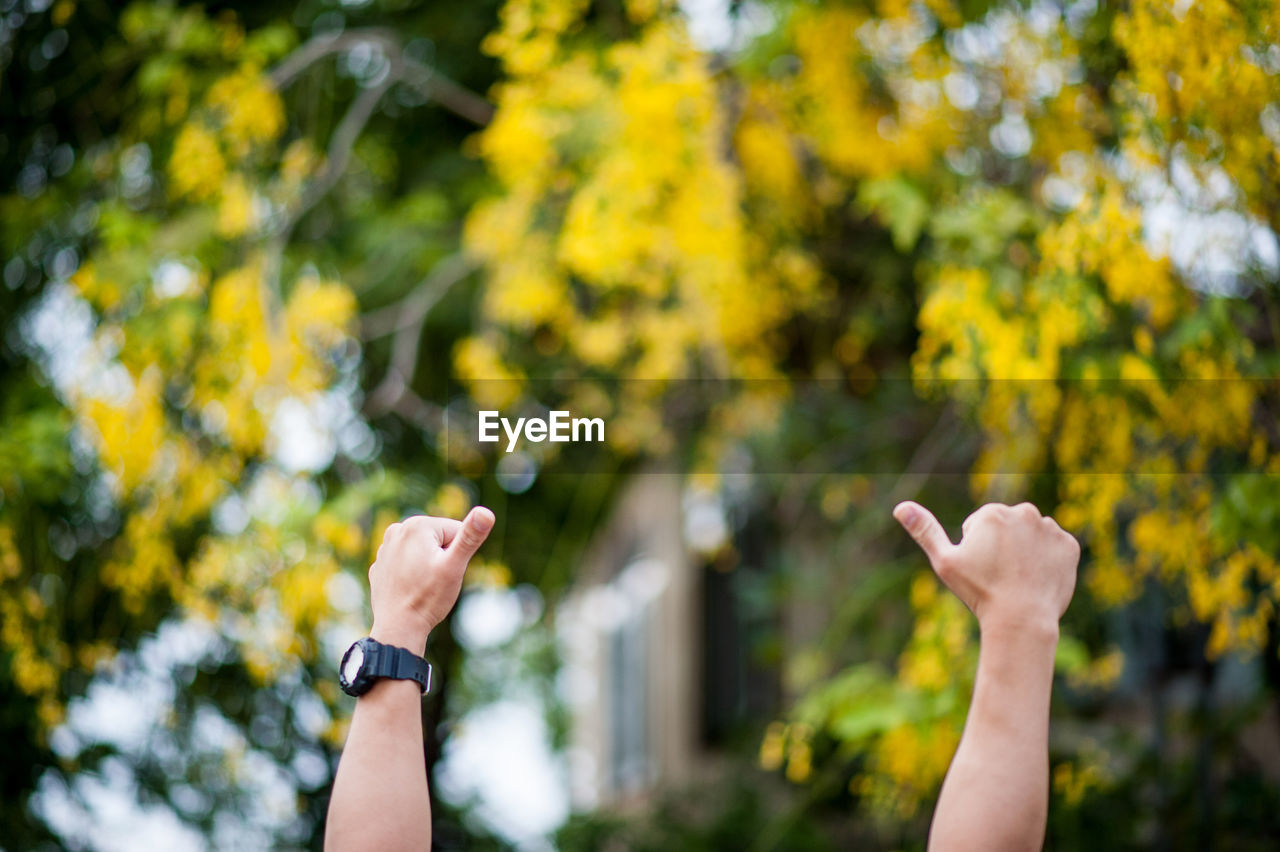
(475, 529)
(924, 528)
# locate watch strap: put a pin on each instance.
(400, 664)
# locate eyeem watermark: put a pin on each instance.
(560, 428)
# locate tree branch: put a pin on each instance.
(318, 47)
(418, 302)
(450, 95)
(405, 319)
(402, 69)
(429, 81)
(341, 144)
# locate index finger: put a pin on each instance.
(442, 530)
(973, 516)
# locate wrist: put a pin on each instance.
(1018, 628)
(402, 634)
(1019, 622)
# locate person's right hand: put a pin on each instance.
(417, 575)
(1011, 567)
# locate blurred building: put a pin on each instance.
(658, 655)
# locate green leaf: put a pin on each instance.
(900, 205)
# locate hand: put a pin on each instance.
(417, 575)
(1012, 567)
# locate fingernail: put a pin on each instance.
(906, 514)
(482, 518)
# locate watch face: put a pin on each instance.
(351, 665)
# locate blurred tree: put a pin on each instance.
(1050, 180)
(175, 193)
(855, 243)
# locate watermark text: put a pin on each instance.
(560, 427)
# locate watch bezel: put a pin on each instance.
(363, 681)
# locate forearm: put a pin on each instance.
(380, 799)
(996, 793)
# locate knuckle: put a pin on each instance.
(418, 527)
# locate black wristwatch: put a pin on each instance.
(368, 660)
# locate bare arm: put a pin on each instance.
(380, 799)
(1016, 571)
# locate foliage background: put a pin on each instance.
(948, 249)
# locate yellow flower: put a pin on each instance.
(768, 159)
(196, 167)
(601, 343)
(488, 573)
(130, 434)
(345, 537)
(320, 312)
(772, 746)
(451, 501)
(799, 756)
(300, 161)
(493, 383)
(235, 212)
(101, 292)
(249, 107)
